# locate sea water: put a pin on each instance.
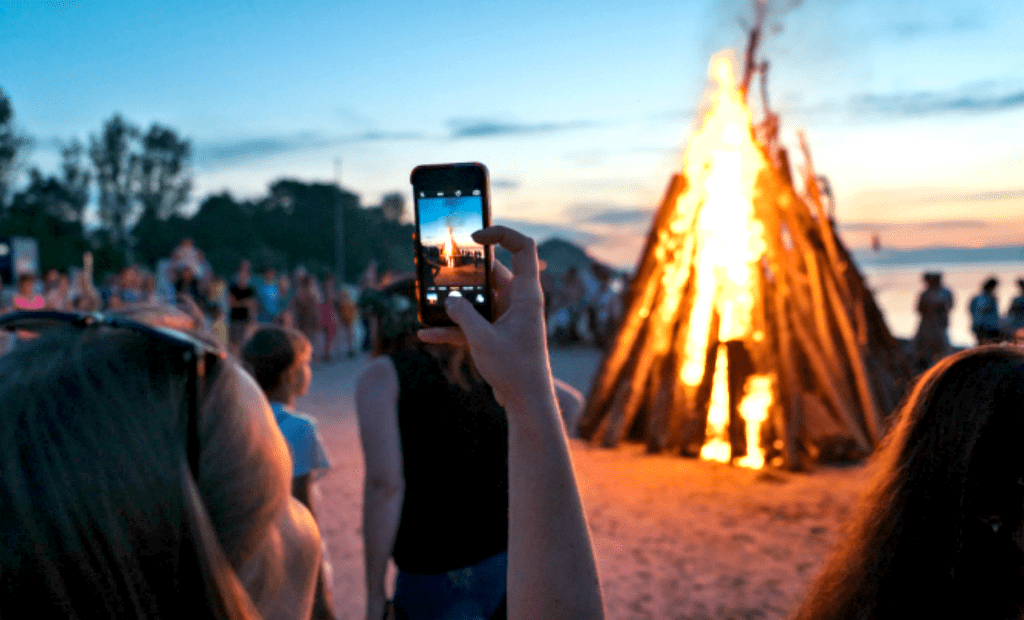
(897, 287)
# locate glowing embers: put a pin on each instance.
(758, 396)
(717, 446)
(753, 407)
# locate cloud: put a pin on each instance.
(952, 24)
(610, 214)
(268, 146)
(378, 136)
(504, 183)
(926, 196)
(477, 128)
(265, 146)
(973, 98)
(969, 98)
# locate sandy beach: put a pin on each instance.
(675, 538)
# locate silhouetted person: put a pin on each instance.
(1015, 315)
(932, 342)
(242, 301)
(985, 313)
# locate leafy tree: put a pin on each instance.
(46, 210)
(115, 158)
(165, 178)
(11, 144)
(73, 183)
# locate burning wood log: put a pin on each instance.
(749, 334)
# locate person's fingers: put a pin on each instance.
(473, 324)
(523, 248)
(502, 279)
(502, 276)
(442, 335)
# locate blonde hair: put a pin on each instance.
(101, 513)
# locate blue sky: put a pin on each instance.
(437, 214)
(579, 109)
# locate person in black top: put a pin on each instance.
(436, 493)
(551, 572)
(242, 300)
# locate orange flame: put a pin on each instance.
(716, 445)
(449, 249)
(722, 162)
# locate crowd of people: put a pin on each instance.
(141, 475)
(582, 306)
(229, 309)
(931, 342)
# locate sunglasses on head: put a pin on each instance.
(197, 356)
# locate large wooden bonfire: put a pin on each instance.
(749, 334)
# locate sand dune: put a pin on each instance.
(675, 538)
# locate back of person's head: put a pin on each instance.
(394, 323)
(392, 314)
(990, 284)
(101, 514)
(271, 355)
(942, 532)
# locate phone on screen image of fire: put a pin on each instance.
(452, 201)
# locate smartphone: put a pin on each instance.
(452, 201)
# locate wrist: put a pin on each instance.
(533, 410)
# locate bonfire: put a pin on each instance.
(449, 250)
(749, 335)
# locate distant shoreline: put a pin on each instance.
(938, 255)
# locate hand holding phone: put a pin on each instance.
(511, 353)
(452, 201)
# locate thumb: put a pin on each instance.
(463, 314)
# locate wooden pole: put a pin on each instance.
(853, 354)
(640, 297)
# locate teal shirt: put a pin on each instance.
(299, 431)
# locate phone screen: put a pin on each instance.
(451, 204)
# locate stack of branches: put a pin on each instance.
(838, 372)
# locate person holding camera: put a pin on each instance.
(548, 569)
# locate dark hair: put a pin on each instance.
(935, 536)
(990, 284)
(99, 512)
(271, 352)
(394, 310)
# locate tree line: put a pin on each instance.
(124, 196)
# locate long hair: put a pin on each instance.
(393, 310)
(100, 515)
(939, 534)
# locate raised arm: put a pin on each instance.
(384, 485)
(551, 569)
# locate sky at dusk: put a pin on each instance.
(914, 109)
